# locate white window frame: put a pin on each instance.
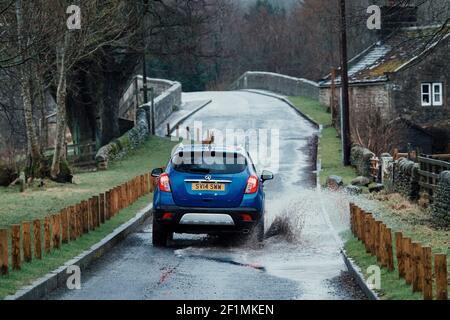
(441, 95)
(432, 94)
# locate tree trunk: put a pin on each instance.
(61, 94)
(25, 79)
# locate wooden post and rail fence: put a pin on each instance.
(78, 154)
(414, 261)
(23, 243)
(430, 169)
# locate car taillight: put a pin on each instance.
(252, 185)
(167, 216)
(164, 183)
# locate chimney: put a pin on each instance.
(395, 16)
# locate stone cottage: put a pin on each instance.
(404, 78)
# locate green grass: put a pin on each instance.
(37, 268)
(414, 222)
(411, 220)
(392, 287)
(312, 108)
(34, 203)
(330, 148)
(16, 207)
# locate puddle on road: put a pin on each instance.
(302, 242)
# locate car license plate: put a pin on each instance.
(208, 187)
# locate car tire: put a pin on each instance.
(259, 230)
(159, 235)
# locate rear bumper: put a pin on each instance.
(238, 225)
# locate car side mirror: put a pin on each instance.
(157, 172)
(266, 175)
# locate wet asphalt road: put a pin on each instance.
(197, 267)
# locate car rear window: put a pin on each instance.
(209, 162)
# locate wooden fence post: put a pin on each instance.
(108, 205)
(26, 242)
(80, 219)
(96, 208)
(113, 202)
(116, 201)
(56, 232)
(389, 250)
(149, 181)
(374, 232)
(407, 256)
(417, 279)
(37, 239)
(367, 236)
(15, 247)
(152, 190)
(4, 263)
(415, 267)
(119, 198)
(440, 269)
(382, 245)
(72, 223)
(102, 208)
(377, 239)
(361, 220)
(373, 228)
(65, 225)
(90, 214)
(357, 215)
(47, 236)
(399, 253)
(126, 193)
(427, 274)
(123, 196)
(85, 215)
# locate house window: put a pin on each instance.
(432, 94)
(437, 94)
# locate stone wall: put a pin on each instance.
(360, 159)
(119, 147)
(168, 98)
(277, 83)
(406, 178)
(441, 200)
(167, 101)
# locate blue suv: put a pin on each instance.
(208, 190)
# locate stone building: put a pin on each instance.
(401, 84)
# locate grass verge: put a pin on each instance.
(330, 148)
(38, 268)
(36, 203)
(413, 221)
(392, 287)
(16, 207)
(394, 210)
